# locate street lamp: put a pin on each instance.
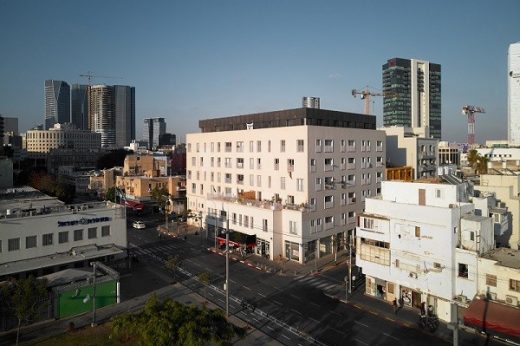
(93, 324)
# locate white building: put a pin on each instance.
(420, 242)
(64, 136)
(40, 235)
(407, 148)
(295, 179)
(513, 93)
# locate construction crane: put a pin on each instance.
(470, 111)
(90, 75)
(366, 94)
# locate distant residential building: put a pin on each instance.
(403, 173)
(412, 94)
(77, 159)
(124, 112)
(178, 160)
(405, 148)
(153, 129)
(449, 153)
(101, 117)
(57, 102)
(48, 236)
(501, 158)
(513, 93)
(420, 243)
(64, 136)
(140, 187)
(101, 181)
(311, 102)
(167, 139)
(79, 106)
(290, 182)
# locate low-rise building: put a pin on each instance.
(140, 188)
(62, 136)
(449, 153)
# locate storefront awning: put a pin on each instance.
(492, 317)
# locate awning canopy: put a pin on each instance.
(492, 317)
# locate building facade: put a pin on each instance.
(79, 106)
(420, 242)
(57, 102)
(406, 149)
(124, 112)
(153, 129)
(101, 114)
(513, 93)
(293, 180)
(62, 136)
(449, 154)
(412, 94)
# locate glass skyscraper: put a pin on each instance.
(412, 94)
(153, 129)
(79, 106)
(124, 110)
(57, 102)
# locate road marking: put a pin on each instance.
(285, 336)
(297, 312)
(357, 306)
(313, 303)
(314, 320)
(390, 336)
(260, 294)
(247, 288)
(407, 324)
(361, 341)
(361, 323)
(220, 300)
(295, 297)
(390, 319)
(373, 312)
(277, 302)
(269, 327)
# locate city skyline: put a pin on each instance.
(193, 61)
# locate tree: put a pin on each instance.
(24, 298)
(160, 196)
(482, 164)
(171, 323)
(110, 194)
(204, 278)
(172, 263)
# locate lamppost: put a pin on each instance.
(93, 324)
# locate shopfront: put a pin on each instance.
(263, 248)
(292, 251)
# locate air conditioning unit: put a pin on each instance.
(492, 295)
(512, 300)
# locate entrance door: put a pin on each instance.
(416, 299)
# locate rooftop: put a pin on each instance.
(505, 257)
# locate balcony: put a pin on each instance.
(351, 148)
(352, 200)
(351, 165)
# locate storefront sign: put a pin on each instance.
(84, 221)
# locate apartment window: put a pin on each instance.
(437, 265)
(299, 184)
(329, 219)
(189, 147)
(329, 201)
(438, 193)
(78, 234)
(251, 180)
(251, 163)
(227, 162)
(234, 218)
(259, 180)
(105, 231)
(246, 221)
(251, 146)
(202, 162)
(92, 233)
(491, 280)
(63, 237)
(417, 231)
(292, 227)
(368, 223)
(258, 146)
(212, 147)
(282, 183)
(47, 239)
(13, 244)
(514, 285)
(198, 147)
(30, 242)
(240, 179)
(269, 181)
(193, 188)
(343, 145)
(318, 145)
(463, 270)
(318, 184)
(276, 164)
(282, 146)
(269, 146)
(228, 147)
(313, 165)
(264, 225)
(290, 165)
(259, 163)
(299, 145)
(193, 161)
(240, 162)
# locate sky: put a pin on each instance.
(193, 60)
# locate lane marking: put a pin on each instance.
(390, 336)
(269, 327)
(361, 323)
(297, 312)
(285, 336)
(314, 320)
(361, 342)
(373, 312)
(261, 294)
(390, 319)
(313, 303)
(247, 288)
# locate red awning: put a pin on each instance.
(490, 316)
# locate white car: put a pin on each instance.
(138, 224)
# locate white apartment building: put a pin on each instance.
(40, 235)
(513, 93)
(63, 136)
(420, 242)
(294, 179)
(406, 148)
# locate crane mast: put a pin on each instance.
(470, 111)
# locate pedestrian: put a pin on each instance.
(395, 306)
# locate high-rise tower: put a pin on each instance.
(412, 94)
(57, 102)
(124, 112)
(153, 129)
(79, 106)
(513, 94)
(101, 114)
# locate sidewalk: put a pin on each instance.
(46, 329)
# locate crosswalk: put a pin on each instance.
(316, 281)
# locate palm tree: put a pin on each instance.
(473, 158)
(482, 164)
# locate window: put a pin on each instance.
(240, 179)
(251, 180)
(13, 244)
(318, 145)
(276, 164)
(438, 193)
(240, 162)
(264, 225)
(228, 147)
(30, 242)
(251, 163)
(491, 280)
(514, 285)
(463, 270)
(47, 239)
(417, 231)
(282, 146)
(251, 146)
(282, 183)
(92, 233)
(368, 223)
(292, 227)
(259, 180)
(437, 265)
(105, 231)
(269, 146)
(299, 145)
(63, 237)
(78, 234)
(258, 146)
(299, 184)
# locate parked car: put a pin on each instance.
(138, 224)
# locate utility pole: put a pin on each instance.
(350, 265)
(227, 266)
(455, 312)
(93, 324)
(215, 230)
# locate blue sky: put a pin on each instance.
(194, 60)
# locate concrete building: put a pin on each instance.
(41, 235)
(513, 94)
(101, 181)
(57, 102)
(506, 188)
(500, 158)
(449, 154)
(412, 95)
(61, 136)
(420, 242)
(79, 106)
(405, 148)
(291, 182)
(149, 165)
(101, 114)
(124, 112)
(153, 129)
(140, 188)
